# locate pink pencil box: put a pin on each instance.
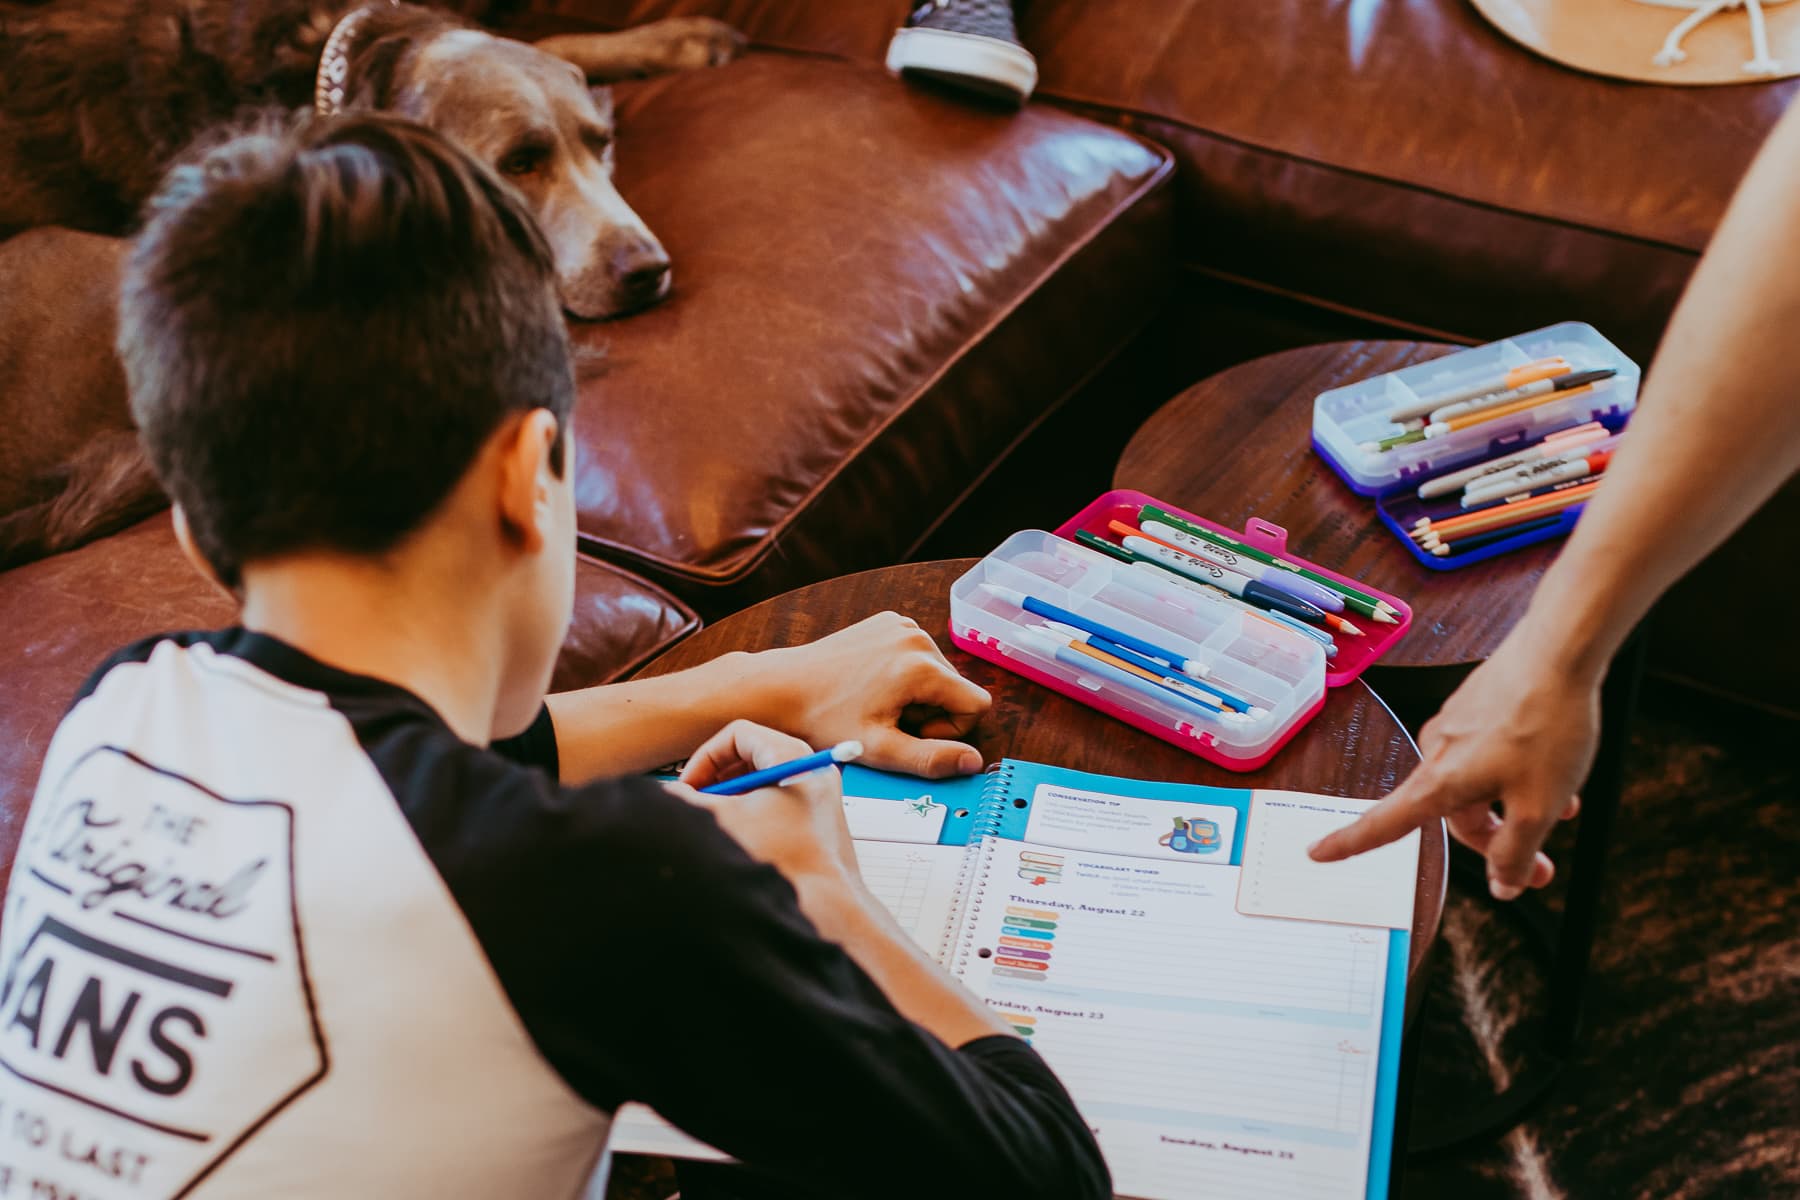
(1281, 673)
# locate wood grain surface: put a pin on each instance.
(1355, 747)
(1239, 445)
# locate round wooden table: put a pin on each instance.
(1239, 445)
(1355, 747)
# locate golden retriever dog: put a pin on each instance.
(97, 97)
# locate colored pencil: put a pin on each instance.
(1505, 514)
(1038, 641)
(1449, 510)
(1125, 654)
(1476, 541)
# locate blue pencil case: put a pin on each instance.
(1348, 423)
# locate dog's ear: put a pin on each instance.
(603, 102)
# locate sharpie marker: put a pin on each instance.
(1545, 475)
(1154, 573)
(1354, 598)
(1260, 594)
(1287, 581)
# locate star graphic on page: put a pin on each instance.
(922, 806)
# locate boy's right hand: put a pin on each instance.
(797, 827)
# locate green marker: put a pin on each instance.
(1369, 606)
(1399, 439)
(1094, 541)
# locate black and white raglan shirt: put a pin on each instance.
(275, 931)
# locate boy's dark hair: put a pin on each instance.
(322, 324)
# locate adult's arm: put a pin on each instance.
(1717, 432)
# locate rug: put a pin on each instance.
(1686, 1082)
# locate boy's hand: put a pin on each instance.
(861, 682)
(797, 827)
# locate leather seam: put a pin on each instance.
(1089, 108)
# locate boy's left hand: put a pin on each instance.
(861, 682)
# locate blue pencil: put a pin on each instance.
(843, 752)
(1052, 646)
(1126, 654)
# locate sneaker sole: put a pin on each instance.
(984, 64)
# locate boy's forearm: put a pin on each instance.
(629, 728)
(918, 987)
(1717, 433)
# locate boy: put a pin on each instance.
(301, 908)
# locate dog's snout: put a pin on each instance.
(642, 272)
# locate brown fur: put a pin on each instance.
(97, 96)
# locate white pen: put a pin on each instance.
(1555, 446)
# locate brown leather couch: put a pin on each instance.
(878, 293)
(881, 292)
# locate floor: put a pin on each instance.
(1686, 1085)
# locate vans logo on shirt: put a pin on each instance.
(151, 920)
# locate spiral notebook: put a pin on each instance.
(1225, 1012)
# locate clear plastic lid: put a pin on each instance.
(1350, 422)
(1278, 673)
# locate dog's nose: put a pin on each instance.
(642, 275)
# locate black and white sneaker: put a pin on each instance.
(968, 44)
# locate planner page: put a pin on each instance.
(1216, 1055)
(917, 883)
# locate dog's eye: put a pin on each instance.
(525, 160)
(598, 140)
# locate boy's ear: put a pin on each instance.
(184, 537)
(528, 472)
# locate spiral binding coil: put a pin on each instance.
(989, 816)
(979, 853)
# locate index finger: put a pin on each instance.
(1405, 809)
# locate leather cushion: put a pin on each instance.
(62, 616)
(877, 291)
(1395, 158)
(1407, 161)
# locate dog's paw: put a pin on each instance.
(689, 43)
